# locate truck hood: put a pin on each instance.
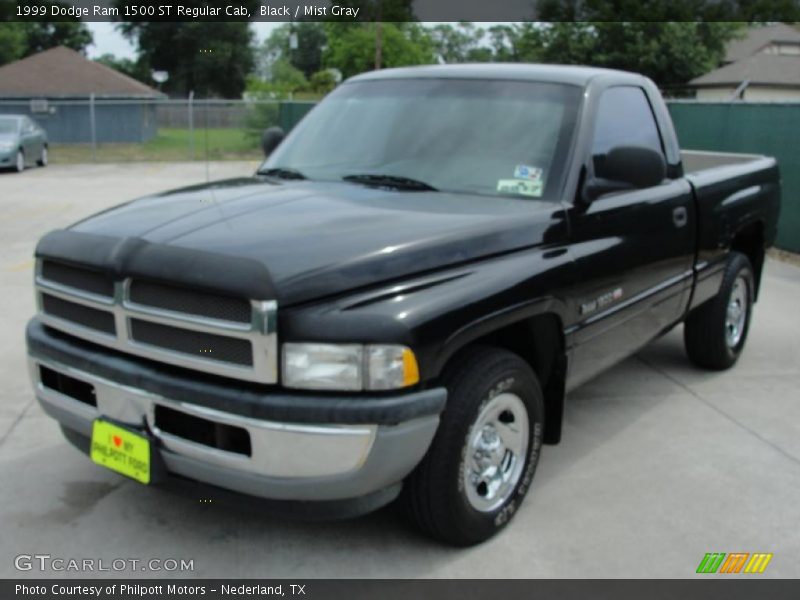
(323, 238)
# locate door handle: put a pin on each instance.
(680, 216)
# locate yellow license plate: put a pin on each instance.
(121, 450)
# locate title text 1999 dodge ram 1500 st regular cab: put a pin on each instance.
(397, 302)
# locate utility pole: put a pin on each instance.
(378, 35)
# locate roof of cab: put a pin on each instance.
(568, 74)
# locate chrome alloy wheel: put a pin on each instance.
(736, 313)
(20, 161)
(497, 445)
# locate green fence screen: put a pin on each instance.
(291, 113)
(770, 128)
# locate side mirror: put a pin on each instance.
(271, 138)
(625, 168)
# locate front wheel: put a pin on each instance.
(19, 166)
(43, 158)
(482, 460)
(714, 334)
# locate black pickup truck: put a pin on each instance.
(397, 303)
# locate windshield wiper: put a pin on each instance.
(283, 173)
(394, 181)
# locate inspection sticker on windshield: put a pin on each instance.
(527, 172)
(524, 187)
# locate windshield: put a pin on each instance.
(484, 137)
(8, 125)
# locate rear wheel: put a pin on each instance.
(715, 333)
(482, 460)
(43, 158)
(19, 165)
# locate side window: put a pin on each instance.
(624, 118)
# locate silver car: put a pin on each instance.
(22, 143)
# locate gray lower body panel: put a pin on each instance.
(285, 461)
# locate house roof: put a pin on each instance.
(62, 72)
(758, 37)
(759, 69)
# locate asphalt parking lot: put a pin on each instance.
(659, 463)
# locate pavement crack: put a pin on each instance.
(16, 422)
(729, 417)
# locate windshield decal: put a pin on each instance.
(524, 187)
(528, 172)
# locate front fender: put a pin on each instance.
(438, 314)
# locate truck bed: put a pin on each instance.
(695, 161)
(731, 191)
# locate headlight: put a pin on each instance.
(323, 366)
(348, 367)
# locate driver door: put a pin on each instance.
(633, 249)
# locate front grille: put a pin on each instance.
(82, 279)
(177, 299)
(203, 345)
(99, 320)
(210, 332)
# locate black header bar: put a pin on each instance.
(401, 10)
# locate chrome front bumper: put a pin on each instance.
(286, 460)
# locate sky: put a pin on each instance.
(108, 40)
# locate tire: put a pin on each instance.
(715, 333)
(43, 158)
(441, 499)
(19, 164)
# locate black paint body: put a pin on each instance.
(436, 271)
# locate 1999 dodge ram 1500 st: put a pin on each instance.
(397, 302)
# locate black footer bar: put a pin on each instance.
(705, 588)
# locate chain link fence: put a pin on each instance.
(122, 130)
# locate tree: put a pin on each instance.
(351, 46)
(12, 42)
(671, 41)
(322, 82)
(23, 38)
(307, 56)
(460, 43)
(207, 57)
(286, 78)
(378, 12)
(708, 11)
(42, 35)
(671, 53)
(131, 68)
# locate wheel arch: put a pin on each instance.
(539, 340)
(749, 240)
